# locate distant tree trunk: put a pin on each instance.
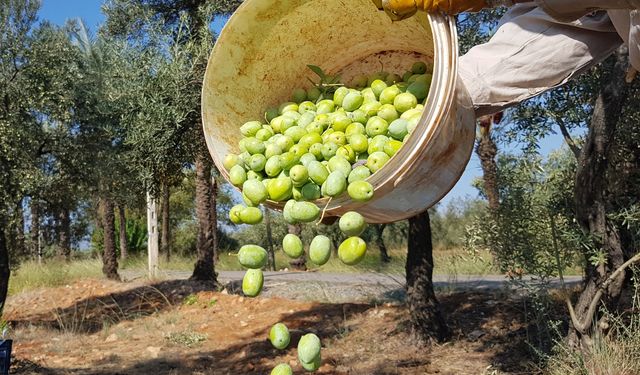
(20, 238)
(214, 216)
(267, 222)
(336, 244)
(15, 234)
(124, 245)
(487, 151)
(593, 202)
(64, 233)
(34, 233)
(204, 267)
(294, 229)
(109, 257)
(5, 270)
(165, 239)
(426, 319)
(153, 243)
(384, 255)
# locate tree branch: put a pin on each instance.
(567, 138)
(583, 326)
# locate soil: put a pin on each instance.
(182, 327)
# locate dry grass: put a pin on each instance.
(32, 275)
(617, 353)
(187, 339)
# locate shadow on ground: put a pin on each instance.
(481, 321)
(90, 315)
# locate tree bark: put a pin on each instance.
(64, 233)
(270, 253)
(294, 229)
(204, 267)
(15, 231)
(384, 254)
(165, 238)
(426, 320)
(21, 249)
(109, 257)
(152, 235)
(5, 270)
(487, 151)
(124, 245)
(34, 233)
(214, 217)
(591, 197)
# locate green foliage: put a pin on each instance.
(5, 329)
(133, 18)
(476, 28)
(448, 223)
(533, 232)
(629, 218)
(191, 299)
(168, 43)
(183, 223)
(39, 156)
(18, 128)
(136, 232)
(327, 83)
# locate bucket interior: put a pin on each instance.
(262, 54)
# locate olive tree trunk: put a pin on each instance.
(425, 317)
(384, 254)
(5, 271)
(204, 267)
(593, 203)
(124, 245)
(165, 238)
(34, 233)
(20, 237)
(64, 233)
(270, 253)
(487, 150)
(109, 256)
(214, 217)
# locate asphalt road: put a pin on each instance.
(352, 287)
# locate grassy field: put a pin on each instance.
(451, 262)
(32, 275)
(447, 262)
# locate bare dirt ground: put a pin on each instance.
(181, 327)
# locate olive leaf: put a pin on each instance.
(317, 70)
(327, 83)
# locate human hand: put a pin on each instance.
(401, 9)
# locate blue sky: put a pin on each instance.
(464, 189)
(58, 11)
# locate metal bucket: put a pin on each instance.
(261, 56)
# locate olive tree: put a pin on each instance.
(187, 23)
(598, 104)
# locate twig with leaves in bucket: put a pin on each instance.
(328, 83)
